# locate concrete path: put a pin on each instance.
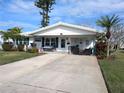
(53, 73)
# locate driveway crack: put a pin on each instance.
(57, 90)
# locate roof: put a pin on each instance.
(63, 24)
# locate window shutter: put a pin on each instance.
(42, 41)
(57, 42)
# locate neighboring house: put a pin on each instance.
(61, 36)
(122, 45)
(1, 40)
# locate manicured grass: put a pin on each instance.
(114, 73)
(9, 57)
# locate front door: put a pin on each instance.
(63, 44)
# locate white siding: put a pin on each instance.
(75, 36)
(64, 31)
(31, 40)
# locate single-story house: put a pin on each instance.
(61, 36)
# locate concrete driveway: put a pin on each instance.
(53, 73)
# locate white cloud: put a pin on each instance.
(56, 19)
(77, 8)
(87, 8)
(71, 7)
(22, 6)
(17, 24)
(63, 10)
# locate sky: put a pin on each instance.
(23, 13)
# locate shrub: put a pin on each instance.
(33, 50)
(7, 46)
(14, 49)
(101, 49)
(21, 47)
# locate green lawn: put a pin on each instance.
(9, 57)
(114, 73)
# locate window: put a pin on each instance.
(62, 43)
(53, 42)
(47, 42)
(26, 41)
(37, 39)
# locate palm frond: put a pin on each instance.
(108, 21)
(115, 20)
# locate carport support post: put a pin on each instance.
(69, 49)
(69, 45)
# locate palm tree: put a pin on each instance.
(12, 33)
(16, 34)
(15, 30)
(108, 22)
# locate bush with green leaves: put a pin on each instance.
(7, 46)
(21, 47)
(33, 50)
(14, 49)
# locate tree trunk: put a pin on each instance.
(108, 50)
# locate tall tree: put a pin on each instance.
(46, 7)
(108, 22)
(117, 36)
